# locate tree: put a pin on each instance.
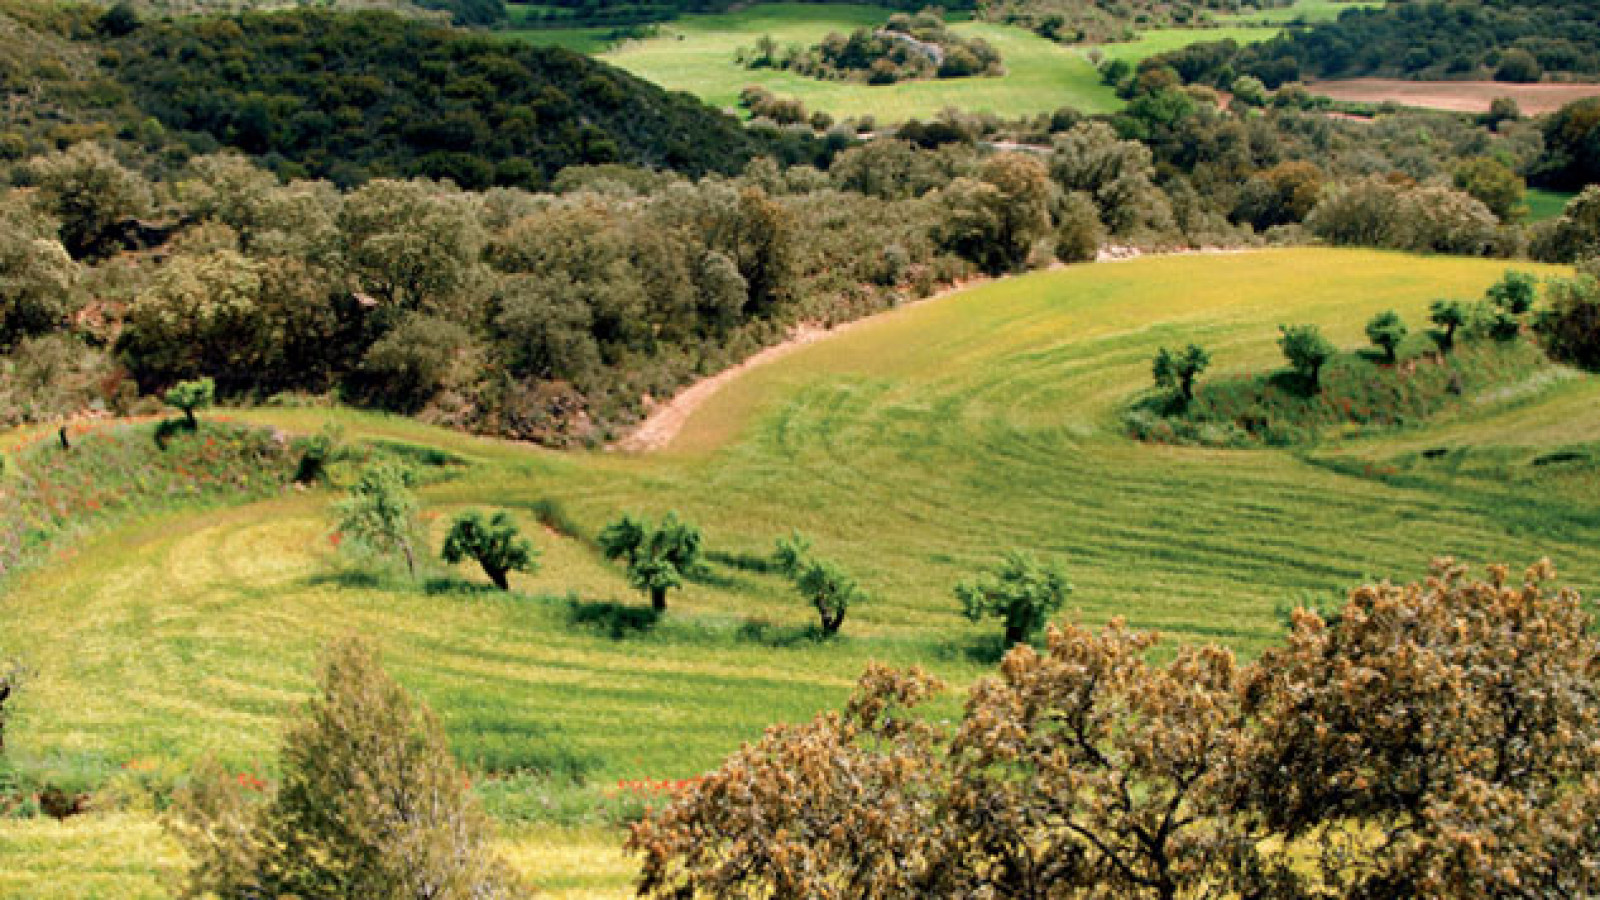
(1449, 315)
(1386, 330)
(36, 275)
(380, 512)
(1569, 327)
(497, 545)
(1494, 184)
(1021, 591)
(1079, 231)
(1456, 718)
(831, 590)
(371, 804)
(1307, 352)
(91, 194)
(657, 556)
(1507, 302)
(190, 396)
(996, 219)
(1176, 371)
(1518, 65)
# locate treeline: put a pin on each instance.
(1108, 21)
(576, 13)
(1509, 40)
(906, 48)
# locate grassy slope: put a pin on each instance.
(1543, 204)
(913, 449)
(696, 54)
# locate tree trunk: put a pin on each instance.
(1014, 634)
(658, 599)
(498, 576)
(411, 562)
(66, 442)
(830, 624)
(189, 420)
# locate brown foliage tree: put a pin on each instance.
(1437, 740)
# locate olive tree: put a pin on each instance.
(370, 804)
(1449, 315)
(1021, 591)
(1307, 352)
(380, 512)
(496, 544)
(1386, 330)
(191, 396)
(1176, 371)
(658, 556)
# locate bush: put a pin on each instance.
(190, 396)
(1386, 330)
(380, 513)
(1175, 371)
(371, 804)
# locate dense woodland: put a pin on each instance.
(356, 249)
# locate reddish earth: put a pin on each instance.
(1457, 96)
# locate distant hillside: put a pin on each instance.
(348, 96)
(1511, 40)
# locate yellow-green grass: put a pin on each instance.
(1299, 11)
(914, 448)
(697, 54)
(127, 856)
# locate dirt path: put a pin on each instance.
(666, 420)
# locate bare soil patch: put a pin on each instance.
(1455, 96)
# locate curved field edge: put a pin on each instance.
(913, 448)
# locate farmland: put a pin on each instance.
(913, 448)
(696, 54)
(1454, 96)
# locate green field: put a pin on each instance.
(696, 54)
(913, 449)
(1543, 204)
(1300, 11)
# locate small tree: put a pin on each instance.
(497, 545)
(1176, 371)
(1449, 315)
(190, 396)
(658, 557)
(792, 554)
(381, 512)
(1509, 300)
(371, 804)
(1022, 591)
(1386, 331)
(831, 590)
(1307, 352)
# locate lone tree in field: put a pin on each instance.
(371, 804)
(657, 556)
(1176, 371)
(825, 585)
(1307, 352)
(1386, 330)
(380, 513)
(497, 545)
(190, 396)
(1449, 315)
(1022, 592)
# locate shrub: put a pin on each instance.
(371, 804)
(497, 545)
(1307, 352)
(1021, 591)
(657, 556)
(1386, 330)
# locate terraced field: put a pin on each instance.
(696, 54)
(913, 448)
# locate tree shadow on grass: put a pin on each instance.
(617, 621)
(767, 634)
(986, 650)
